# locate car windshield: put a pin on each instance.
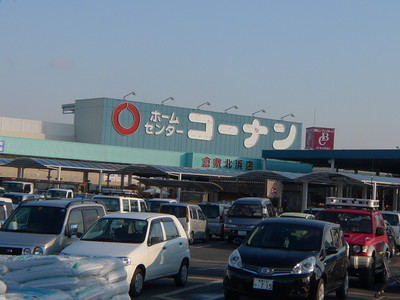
(13, 187)
(177, 211)
(116, 230)
(36, 219)
(56, 194)
(286, 236)
(211, 211)
(244, 210)
(350, 222)
(16, 199)
(111, 204)
(154, 206)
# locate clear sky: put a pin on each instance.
(332, 64)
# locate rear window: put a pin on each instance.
(350, 222)
(211, 211)
(177, 211)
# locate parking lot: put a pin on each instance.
(206, 271)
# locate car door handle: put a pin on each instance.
(180, 243)
(164, 248)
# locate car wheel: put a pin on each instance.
(229, 295)
(191, 238)
(343, 290)
(367, 276)
(136, 283)
(181, 277)
(319, 293)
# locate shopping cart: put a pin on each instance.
(392, 277)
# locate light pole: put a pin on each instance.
(131, 93)
(169, 98)
(261, 110)
(234, 106)
(205, 103)
(288, 115)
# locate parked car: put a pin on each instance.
(244, 214)
(215, 213)
(191, 217)
(152, 246)
(364, 229)
(116, 204)
(288, 257)
(155, 203)
(391, 238)
(18, 198)
(296, 215)
(393, 217)
(46, 227)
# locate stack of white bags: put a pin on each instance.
(62, 278)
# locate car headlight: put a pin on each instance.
(235, 260)
(306, 266)
(126, 260)
(38, 251)
(26, 251)
(360, 248)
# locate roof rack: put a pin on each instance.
(352, 202)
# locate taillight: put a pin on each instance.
(221, 219)
(187, 215)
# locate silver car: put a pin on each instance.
(46, 227)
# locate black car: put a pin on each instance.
(284, 257)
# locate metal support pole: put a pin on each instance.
(395, 199)
(100, 180)
(178, 191)
(304, 200)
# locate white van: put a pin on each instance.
(191, 217)
(118, 204)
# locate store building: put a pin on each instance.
(121, 132)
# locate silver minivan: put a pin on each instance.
(191, 217)
(215, 213)
(47, 227)
(244, 214)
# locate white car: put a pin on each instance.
(393, 218)
(152, 246)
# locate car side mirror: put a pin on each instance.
(380, 231)
(155, 240)
(72, 230)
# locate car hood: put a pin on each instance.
(357, 238)
(90, 248)
(21, 238)
(278, 258)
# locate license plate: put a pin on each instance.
(263, 284)
(242, 232)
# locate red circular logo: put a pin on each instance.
(136, 118)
